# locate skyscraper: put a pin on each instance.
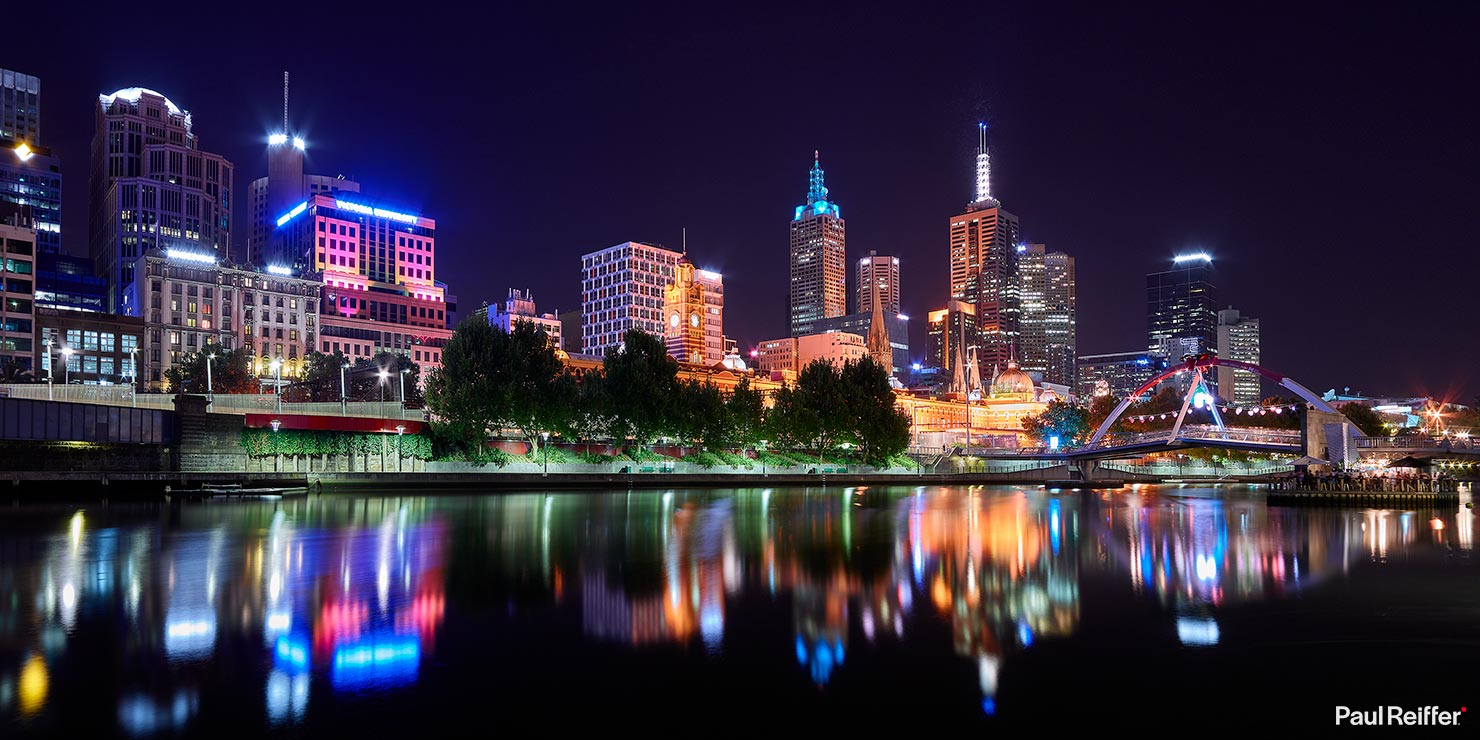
(20, 106)
(1182, 308)
(285, 186)
(949, 327)
(152, 187)
(30, 174)
(984, 266)
(878, 274)
(819, 272)
(1238, 339)
(621, 289)
(1048, 344)
(378, 267)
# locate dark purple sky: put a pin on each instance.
(1326, 156)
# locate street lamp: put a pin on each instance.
(546, 450)
(400, 429)
(277, 460)
(66, 370)
(343, 399)
(51, 369)
(383, 382)
(210, 392)
(133, 377)
(403, 390)
(277, 370)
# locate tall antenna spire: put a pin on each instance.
(685, 241)
(285, 101)
(983, 166)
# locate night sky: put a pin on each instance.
(1327, 157)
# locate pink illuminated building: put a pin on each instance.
(378, 268)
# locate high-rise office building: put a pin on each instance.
(378, 267)
(17, 286)
(1182, 308)
(20, 106)
(152, 188)
(819, 272)
(948, 328)
(1116, 374)
(285, 186)
(30, 174)
(984, 266)
(1048, 327)
(622, 288)
(878, 273)
(1238, 339)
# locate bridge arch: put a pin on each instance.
(1199, 362)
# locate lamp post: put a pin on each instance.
(66, 371)
(210, 390)
(51, 369)
(277, 459)
(133, 377)
(277, 371)
(343, 399)
(384, 376)
(546, 450)
(403, 390)
(400, 429)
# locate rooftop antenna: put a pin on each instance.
(685, 241)
(285, 101)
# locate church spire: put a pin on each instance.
(878, 335)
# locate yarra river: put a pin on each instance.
(714, 610)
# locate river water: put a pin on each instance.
(985, 607)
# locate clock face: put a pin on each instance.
(694, 320)
(673, 321)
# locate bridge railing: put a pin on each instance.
(221, 403)
(1416, 443)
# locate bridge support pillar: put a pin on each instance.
(1088, 469)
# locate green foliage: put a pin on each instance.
(776, 459)
(1069, 422)
(701, 415)
(594, 458)
(640, 386)
(307, 442)
(746, 409)
(709, 460)
(1100, 409)
(830, 406)
(491, 380)
(230, 372)
(642, 456)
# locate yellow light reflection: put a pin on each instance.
(34, 682)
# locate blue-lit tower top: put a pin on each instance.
(817, 203)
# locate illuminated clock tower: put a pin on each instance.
(683, 315)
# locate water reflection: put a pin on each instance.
(348, 596)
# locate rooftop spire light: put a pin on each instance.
(1197, 256)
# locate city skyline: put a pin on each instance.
(1123, 195)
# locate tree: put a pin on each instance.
(1100, 409)
(816, 415)
(365, 379)
(879, 427)
(640, 385)
(1069, 422)
(230, 372)
(11, 371)
(321, 375)
(746, 410)
(1364, 418)
(701, 415)
(490, 380)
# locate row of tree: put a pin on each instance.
(494, 383)
(320, 379)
